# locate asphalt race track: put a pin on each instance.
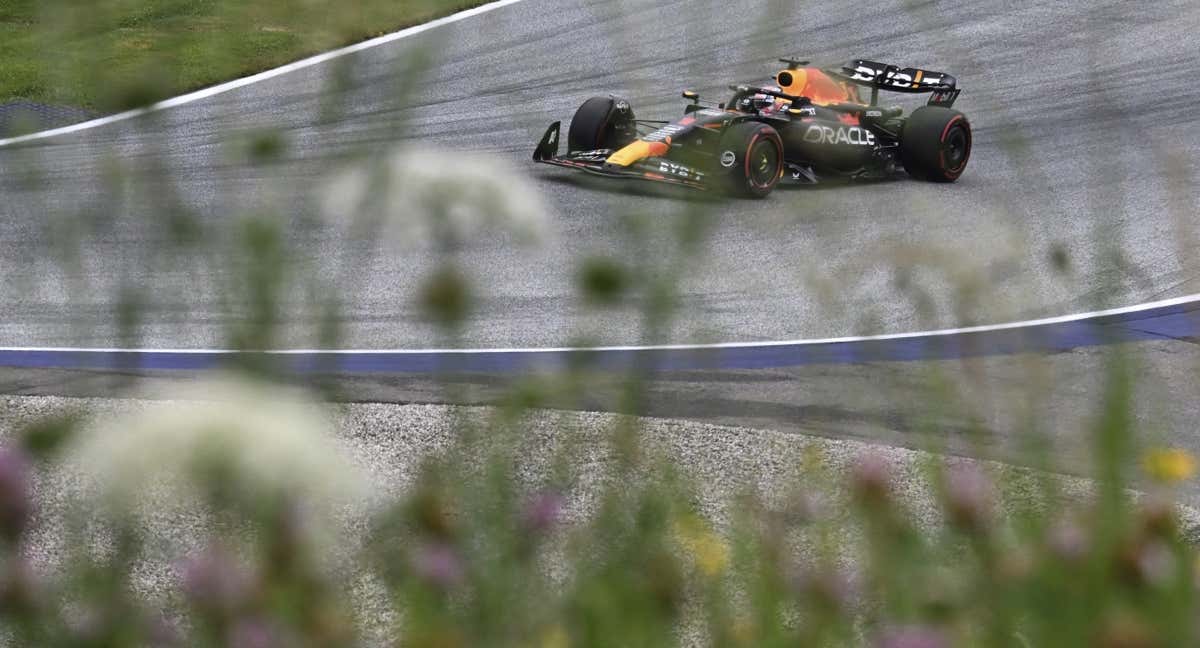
(1081, 192)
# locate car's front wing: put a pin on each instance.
(656, 169)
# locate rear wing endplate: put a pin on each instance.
(893, 78)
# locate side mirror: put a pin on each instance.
(691, 96)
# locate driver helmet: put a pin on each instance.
(763, 104)
(776, 106)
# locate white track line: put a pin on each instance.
(991, 328)
(262, 76)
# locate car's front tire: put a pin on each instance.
(935, 144)
(602, 123)
(750, 159)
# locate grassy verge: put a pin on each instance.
(98, 54)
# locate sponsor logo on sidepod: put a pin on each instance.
(728, 159)
(828, 135)
(670, 168)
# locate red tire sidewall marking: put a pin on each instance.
(750, 149)
(954, 173)
(746, 162)
(951, 123)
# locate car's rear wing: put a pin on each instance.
(892, 78)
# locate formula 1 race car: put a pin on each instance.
(811, 126)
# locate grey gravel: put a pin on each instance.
(388, 443)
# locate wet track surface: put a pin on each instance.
(1081, 191)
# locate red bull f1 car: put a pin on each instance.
(812, 124)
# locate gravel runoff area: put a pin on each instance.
(388, 442)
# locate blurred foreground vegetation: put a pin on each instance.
(99, 54)
(497, 545)
(489, 547)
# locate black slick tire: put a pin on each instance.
(935, 144)
(750, 160)
(601, 123)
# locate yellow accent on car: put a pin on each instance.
(638, 151)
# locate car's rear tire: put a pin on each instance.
(935, 144)
(750, 159)
(602, 123)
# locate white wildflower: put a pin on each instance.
(419, 196)
(259, 440)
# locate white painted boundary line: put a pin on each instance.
(943, 333)
(262, 76)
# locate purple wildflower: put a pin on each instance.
(438, 564)
(1155, 563)
(969, 496)
(1068, 541)
(543, 512)
(214, 580)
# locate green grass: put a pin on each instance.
(110, 54)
